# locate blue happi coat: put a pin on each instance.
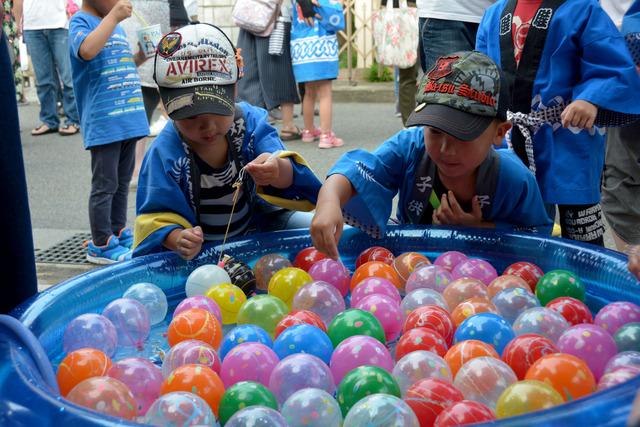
(165, 199)
(507, 191)
(583, 57)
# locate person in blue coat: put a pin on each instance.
(572, 76)
(445, 170)
(218, 169)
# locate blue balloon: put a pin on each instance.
(242, 334)
(304, 339)
(512, 302)
(486, 327)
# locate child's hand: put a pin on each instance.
(634, 261)
(579, 114)
(189, 242)
(122, 10)
(140, 57)
(264, 169)
(307, 11)
(326, 228)
(450, 212)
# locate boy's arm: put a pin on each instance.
(327, 223)
(95, 41)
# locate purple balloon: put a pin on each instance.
(90, 330)
(143, 378)
(623, 360)
(321, 298)
(542, 321)
(449, 260)
(477, 269)
(374, 285)
(299, 371)
(618, 376)
(250, 361)
(387, 311)
(190, 352)
(617, 314)
(421, 297)
(333, 272)
(131, 320)
(356, 351)
(590, 343)
(199, 301)
(431, 277)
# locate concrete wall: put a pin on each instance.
(218, 12)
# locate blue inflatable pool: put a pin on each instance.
(28, 392)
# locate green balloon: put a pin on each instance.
(264, 311)
(354, 322)
(363, 381)
(559, 283)
(242, 395)
(627, 338)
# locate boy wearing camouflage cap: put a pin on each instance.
(445, 169)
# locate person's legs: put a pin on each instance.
(421, 57)
(326, 105)
(249, 88)
(407, 91)
(582, 223)
(105, 161)
(58, 43)
(42, 61)
(441, 37)
(125, 169)
(308, 103)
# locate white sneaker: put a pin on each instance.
(157, 126)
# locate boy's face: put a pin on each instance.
(456, 158)
(102, 6)
(204, 129)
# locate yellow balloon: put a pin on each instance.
(527, 396)
(285, 283)
(229, 298)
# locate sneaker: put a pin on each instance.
(125, 237)
(310, 135)
(330, 140)
(157, 126)
(108, 254)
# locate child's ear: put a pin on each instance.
(501, 132)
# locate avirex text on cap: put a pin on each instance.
(196, 71)
(461, 96)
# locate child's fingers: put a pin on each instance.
(567, 117)
(455, 206)
(445, 208)
(197, 230)
(476, 209)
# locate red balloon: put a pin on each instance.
(527, 271)
(525, 350)
(573, 310)
(429, 397)
(299, 317)
(432, 317)
(307, 257)
(421, 339)
(375, 253)
(464, 412)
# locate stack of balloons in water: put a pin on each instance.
(400, 341)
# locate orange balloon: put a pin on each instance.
(471, 306)
(375, 269)
(506, 281)
(464, 351)
(407, 263)
(462, 289)
(195, 324)
(196, 379)
(79, 365)
(569, 375)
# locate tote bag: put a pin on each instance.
(395, 35)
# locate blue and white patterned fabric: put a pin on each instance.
(314, 50)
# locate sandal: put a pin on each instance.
(43, 130)
(67, 130)
(290, 134)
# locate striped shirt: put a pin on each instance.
(216, 201)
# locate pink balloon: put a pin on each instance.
(387, 311)
(477, 269)
(321, 298)
(332, 272)
(143, 378)
(199, 301)
(618, 376)
(191, 352)
(374, 285)
(356, 351)
(449, 260)
(431, 277)
(590, 343)
(250, 361)
(617, 314)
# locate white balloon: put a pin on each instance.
(203, 278)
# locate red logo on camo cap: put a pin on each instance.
(443, 67)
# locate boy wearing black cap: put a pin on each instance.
(445, 169)
(188, 189)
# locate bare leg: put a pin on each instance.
(287, 117)
(326, 105)
(308, 104)
(141, 147)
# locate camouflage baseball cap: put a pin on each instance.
(461, 96)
